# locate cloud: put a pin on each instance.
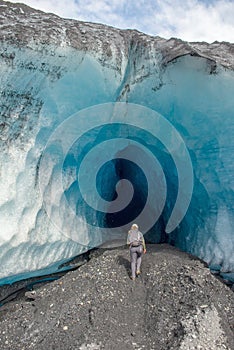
(190, 20)
(198, 21)
(63, 8)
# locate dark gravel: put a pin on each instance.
(175, 304)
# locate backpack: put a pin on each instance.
(135, 241)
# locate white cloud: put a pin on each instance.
(63, 8)
(191, 20)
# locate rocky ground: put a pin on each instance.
(175, 304)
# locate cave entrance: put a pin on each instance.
(128, 170)
(125, 169)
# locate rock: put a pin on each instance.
(30, 295)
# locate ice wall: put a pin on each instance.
(51, 72)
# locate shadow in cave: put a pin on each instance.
(126, 169)
(122, 168)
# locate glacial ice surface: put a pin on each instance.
(43, 84)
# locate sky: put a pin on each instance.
(189, 20)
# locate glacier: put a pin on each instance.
(62, 78)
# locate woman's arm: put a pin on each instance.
(143, 243)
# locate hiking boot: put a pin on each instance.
(133, 278)
(138, 272)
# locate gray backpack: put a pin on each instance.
(134, 238)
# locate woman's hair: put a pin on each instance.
(135, 226)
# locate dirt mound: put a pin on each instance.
(175, 304)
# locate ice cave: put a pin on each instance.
(102, 127)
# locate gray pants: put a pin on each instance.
(136, 255)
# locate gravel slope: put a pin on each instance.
(175, 304)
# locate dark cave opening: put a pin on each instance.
(125, 169)
(130, 171)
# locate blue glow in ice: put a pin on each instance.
(197, 104)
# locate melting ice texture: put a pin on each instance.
(42, 87)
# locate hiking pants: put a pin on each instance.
(136, 254)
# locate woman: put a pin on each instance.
(137, 246)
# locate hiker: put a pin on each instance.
(137, 246)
